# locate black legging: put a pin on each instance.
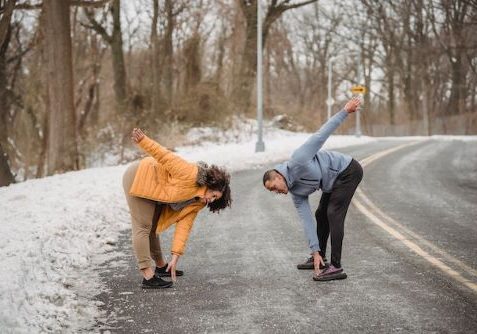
(331, 212)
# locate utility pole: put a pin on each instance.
(330, 100)
(358, 82)
(260, 145)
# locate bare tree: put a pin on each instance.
(156, 91)
(6, 175)
(248, 65)
(193, 71)
(115, 41)
(62, 145)
(451, 36)
(172, 11)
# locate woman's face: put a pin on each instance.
(211, 195)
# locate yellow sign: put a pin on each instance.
(358, 89)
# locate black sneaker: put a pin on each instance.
(161, 272)
(310, 265)
(155, 283)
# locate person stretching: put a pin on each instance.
(164, 190)
(337, 175)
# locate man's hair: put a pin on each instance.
(269, 174)
(217, 178)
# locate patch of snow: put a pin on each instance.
(56, 233)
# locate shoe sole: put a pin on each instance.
(157, 286)
(330, 277)
(310, 267)
(167, 275)
(302, 267)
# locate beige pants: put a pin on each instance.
(145, 243)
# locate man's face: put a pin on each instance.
(277, 184)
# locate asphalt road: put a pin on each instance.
(240, 266)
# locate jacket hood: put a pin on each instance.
(202, 173)
(283, 169)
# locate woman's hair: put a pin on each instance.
(216, 178)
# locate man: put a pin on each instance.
(337, 175)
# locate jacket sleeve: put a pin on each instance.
(181, 234)
(307, 151)
(174, 164)
(303, 207)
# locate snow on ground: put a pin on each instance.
(59, 230)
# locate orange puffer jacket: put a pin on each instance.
(167, 178)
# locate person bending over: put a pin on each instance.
(164, 190)
(337, 175)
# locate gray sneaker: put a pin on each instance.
(330, 273)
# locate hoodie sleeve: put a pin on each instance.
(303, 207)
(307, 151)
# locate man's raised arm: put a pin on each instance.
(307, 151)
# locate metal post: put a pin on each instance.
(260, 145)
(330, 100)
(358, 81)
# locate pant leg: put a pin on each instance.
(340, 198)
(322, 225)
(154, 242)
(142, 211)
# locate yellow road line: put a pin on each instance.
(399, 236)
(410, 234)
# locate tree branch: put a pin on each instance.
(300, 4)
(89, 4)
(97, 27)
(27, 6)
(5, 21)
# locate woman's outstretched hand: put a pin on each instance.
(137, 135)
(171, 266)
(353, 104)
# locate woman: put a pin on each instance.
(162, 190)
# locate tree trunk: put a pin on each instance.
(457, 95)
(115, 42)
(62, 145)
(169, 50)
(220, 57)
(193, 72)
(248, 65)
(155, 60)
(390, 80)
(117, 53)
(6, 175)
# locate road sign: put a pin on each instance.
(358, 89)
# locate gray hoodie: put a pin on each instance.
(310, 169)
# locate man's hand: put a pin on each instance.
(353, 104)
(137, 135)
(172, 266)
(317, 259)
